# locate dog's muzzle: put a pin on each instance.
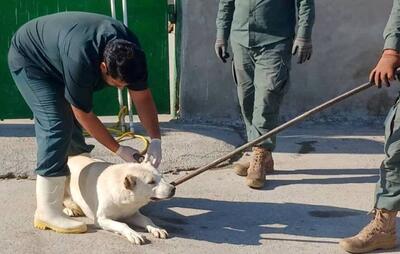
(171, 194)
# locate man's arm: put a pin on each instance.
(96, 129)
(392, 29)
(147, 112)
(306, 18)
(224, 23)
(384, 72)
(224, 18)
(302, 45)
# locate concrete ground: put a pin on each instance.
(321, 192)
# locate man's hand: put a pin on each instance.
(303, 48)
(127, 153)
(154, 153)
(147, 112)
(221, 49)
(386, 68)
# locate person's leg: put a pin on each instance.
(244, 72)
(271, 78)
(243, 66)
(380, 233)
(387, 192)
(53, 128)
(53, 122)
(271, 82)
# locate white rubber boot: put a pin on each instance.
(49, 215)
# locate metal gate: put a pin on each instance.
(147, 19)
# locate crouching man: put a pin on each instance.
(57, 62)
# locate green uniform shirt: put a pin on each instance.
(254, 23)
(68, 47)
(392, 30)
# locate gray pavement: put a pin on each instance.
(321, 192)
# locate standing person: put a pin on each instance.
(57, 62)
(261, 33)
(380, 233)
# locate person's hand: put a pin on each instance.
(221, 49)
(303, 49)
(385, 69)
(127, 153)
(154, 153)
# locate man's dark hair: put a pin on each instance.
(125, 61)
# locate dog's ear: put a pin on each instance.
(130, 182)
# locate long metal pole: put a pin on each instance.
(128, 96)
(120, 98)
(172, 65)
(273, 132)
(112, 5)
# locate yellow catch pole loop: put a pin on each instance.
(127, 135)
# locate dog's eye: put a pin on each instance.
(152, 182)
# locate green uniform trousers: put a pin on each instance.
(58, 134)
(262, 75)
(387, 193)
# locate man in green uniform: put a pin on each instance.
(261, 34)
(380, 233)
(57, 62)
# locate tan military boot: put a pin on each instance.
(256, 172)
(380, 233)
(242, 167)
(269, 164)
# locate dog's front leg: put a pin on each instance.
(120, 228)
(140, 220)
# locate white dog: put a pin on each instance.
(107, 192)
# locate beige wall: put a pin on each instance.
(347, 43)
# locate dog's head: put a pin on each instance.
(144, 182)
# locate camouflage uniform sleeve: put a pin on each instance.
(224, 18)
(392, 29)
(306, 17)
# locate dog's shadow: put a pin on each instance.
(248, 223)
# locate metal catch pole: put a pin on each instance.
(273, 132)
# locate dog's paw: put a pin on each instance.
(135, 237)
(158, 232)
(73, 212)
(72, 209)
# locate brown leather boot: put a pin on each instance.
(256, 172)
(269, 164)
(242, 167)
(380, 233)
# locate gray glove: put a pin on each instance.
(303, 49)
(127, 153)
(221, 49)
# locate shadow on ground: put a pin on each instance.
(319, 144)
(302, 141)
(17, 130)
(227, 134)
(247, 223)
(361, 175)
